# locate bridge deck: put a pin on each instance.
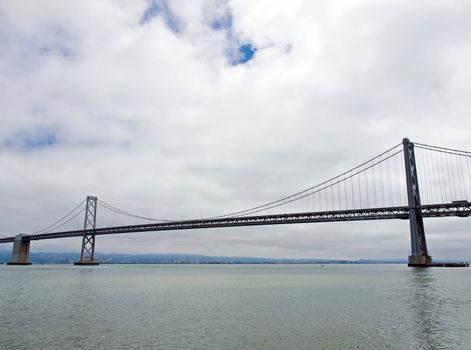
(427, 211)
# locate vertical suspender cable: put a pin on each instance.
(452, 176)
(459, 167)
(389, 184)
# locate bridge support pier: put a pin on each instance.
(20, 253)
(87, 256)
(420, 260)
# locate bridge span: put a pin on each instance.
(346, 197)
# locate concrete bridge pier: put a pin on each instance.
(20, 253)
(420, 260)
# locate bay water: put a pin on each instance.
(234, 307)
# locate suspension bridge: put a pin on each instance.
(384, 187)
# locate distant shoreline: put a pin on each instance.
(184, 259)
(191, 259)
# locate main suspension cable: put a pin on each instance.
(308, 189)
(58, 221)
(122, 212)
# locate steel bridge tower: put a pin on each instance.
(87, 256)
(419, 253)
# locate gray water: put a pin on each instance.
(234, 307)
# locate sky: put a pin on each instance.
(187, 109)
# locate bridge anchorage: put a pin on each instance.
(383, 188)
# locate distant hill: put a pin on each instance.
(69, 258)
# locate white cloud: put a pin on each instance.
(158, 122)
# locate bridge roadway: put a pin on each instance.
(427, 211)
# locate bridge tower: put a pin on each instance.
(419, 253)
(87, 256)
(20, 253)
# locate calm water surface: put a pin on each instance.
(234, 307)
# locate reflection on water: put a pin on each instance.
(430, 310)
(425, 305)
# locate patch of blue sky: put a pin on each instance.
(245, 53)
(239, 53)
(31, 140)
(160, 8)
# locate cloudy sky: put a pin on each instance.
(186, 109)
